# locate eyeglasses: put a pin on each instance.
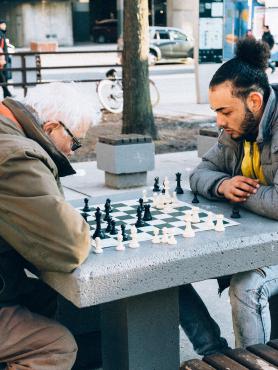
(76, 144)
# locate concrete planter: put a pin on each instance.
(125, 159)
(206, 139)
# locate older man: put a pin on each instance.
(38, 229)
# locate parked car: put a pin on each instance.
(105, 31)
(169, 43)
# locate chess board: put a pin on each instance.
(125, 213)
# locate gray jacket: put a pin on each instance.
(224, 160)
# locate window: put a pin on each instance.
(163, 35)
(176, 35)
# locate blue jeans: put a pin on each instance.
(198, 325)
(250, 292)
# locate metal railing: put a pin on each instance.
(23, 59)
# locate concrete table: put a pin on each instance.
(137, 288)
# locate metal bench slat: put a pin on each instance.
(266, 352)
(195, 364)
(222, 362)
(249, 360)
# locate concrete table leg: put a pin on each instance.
(142, 332)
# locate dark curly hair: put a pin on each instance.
(246, 71)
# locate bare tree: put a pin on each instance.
(137, 112)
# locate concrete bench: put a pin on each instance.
(206, 139)
(259, 356)
(125, 159)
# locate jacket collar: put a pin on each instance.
(31, 126)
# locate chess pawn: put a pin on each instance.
(172, 240)
(188, 231)
(219, 223)
(165, 237)
(156, 237)
(209, 221)
(134, 241)
(160, 201)
(195, 215)
(120, 246)
(97, 246)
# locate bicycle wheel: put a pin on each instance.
(110, 94)
(154, 94)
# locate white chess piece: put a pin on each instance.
(120, 246)
(134, 240)
(144, 193)
(188, 231)
(156, 237)
(209, 224)
(167, 198)
(165, 237)
(98, 247)
(219, 223)
(174, 198)
(195, 215)
(172, 240)
(160, 201)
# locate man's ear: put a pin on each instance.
(49, 126)
(255, 101)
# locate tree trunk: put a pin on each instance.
(137, 111)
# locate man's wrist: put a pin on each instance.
(220, 187)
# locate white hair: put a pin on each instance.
(62, 101)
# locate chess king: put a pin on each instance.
(38, 229)
(243, 168)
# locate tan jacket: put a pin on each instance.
(35, 220)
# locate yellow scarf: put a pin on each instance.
(251, 163)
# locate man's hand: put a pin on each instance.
(238, 188)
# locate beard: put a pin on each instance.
(250, 125)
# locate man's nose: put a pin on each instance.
(220, 121)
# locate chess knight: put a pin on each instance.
(38, 229)
(243, 168)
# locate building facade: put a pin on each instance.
(73, 21)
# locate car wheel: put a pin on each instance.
(152, 59)
(190, 53)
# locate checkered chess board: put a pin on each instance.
(125, 213)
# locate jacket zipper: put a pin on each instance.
(252, 164)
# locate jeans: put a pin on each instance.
(250, 292)
(198, 325)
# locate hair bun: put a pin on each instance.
(253, 52)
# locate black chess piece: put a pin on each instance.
(107, 205)
(156, 187)
(86, 207)
(107, 209)
(163, 188)
(178, 189)
(109, 227)
(147, 213)
(141, 204)
(195, 199)
(139, 222)
(114, 230)
(125, 237)
(235, 211)
(98, 232)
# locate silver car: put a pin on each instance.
(169, 43)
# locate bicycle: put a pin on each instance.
(110, 92)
